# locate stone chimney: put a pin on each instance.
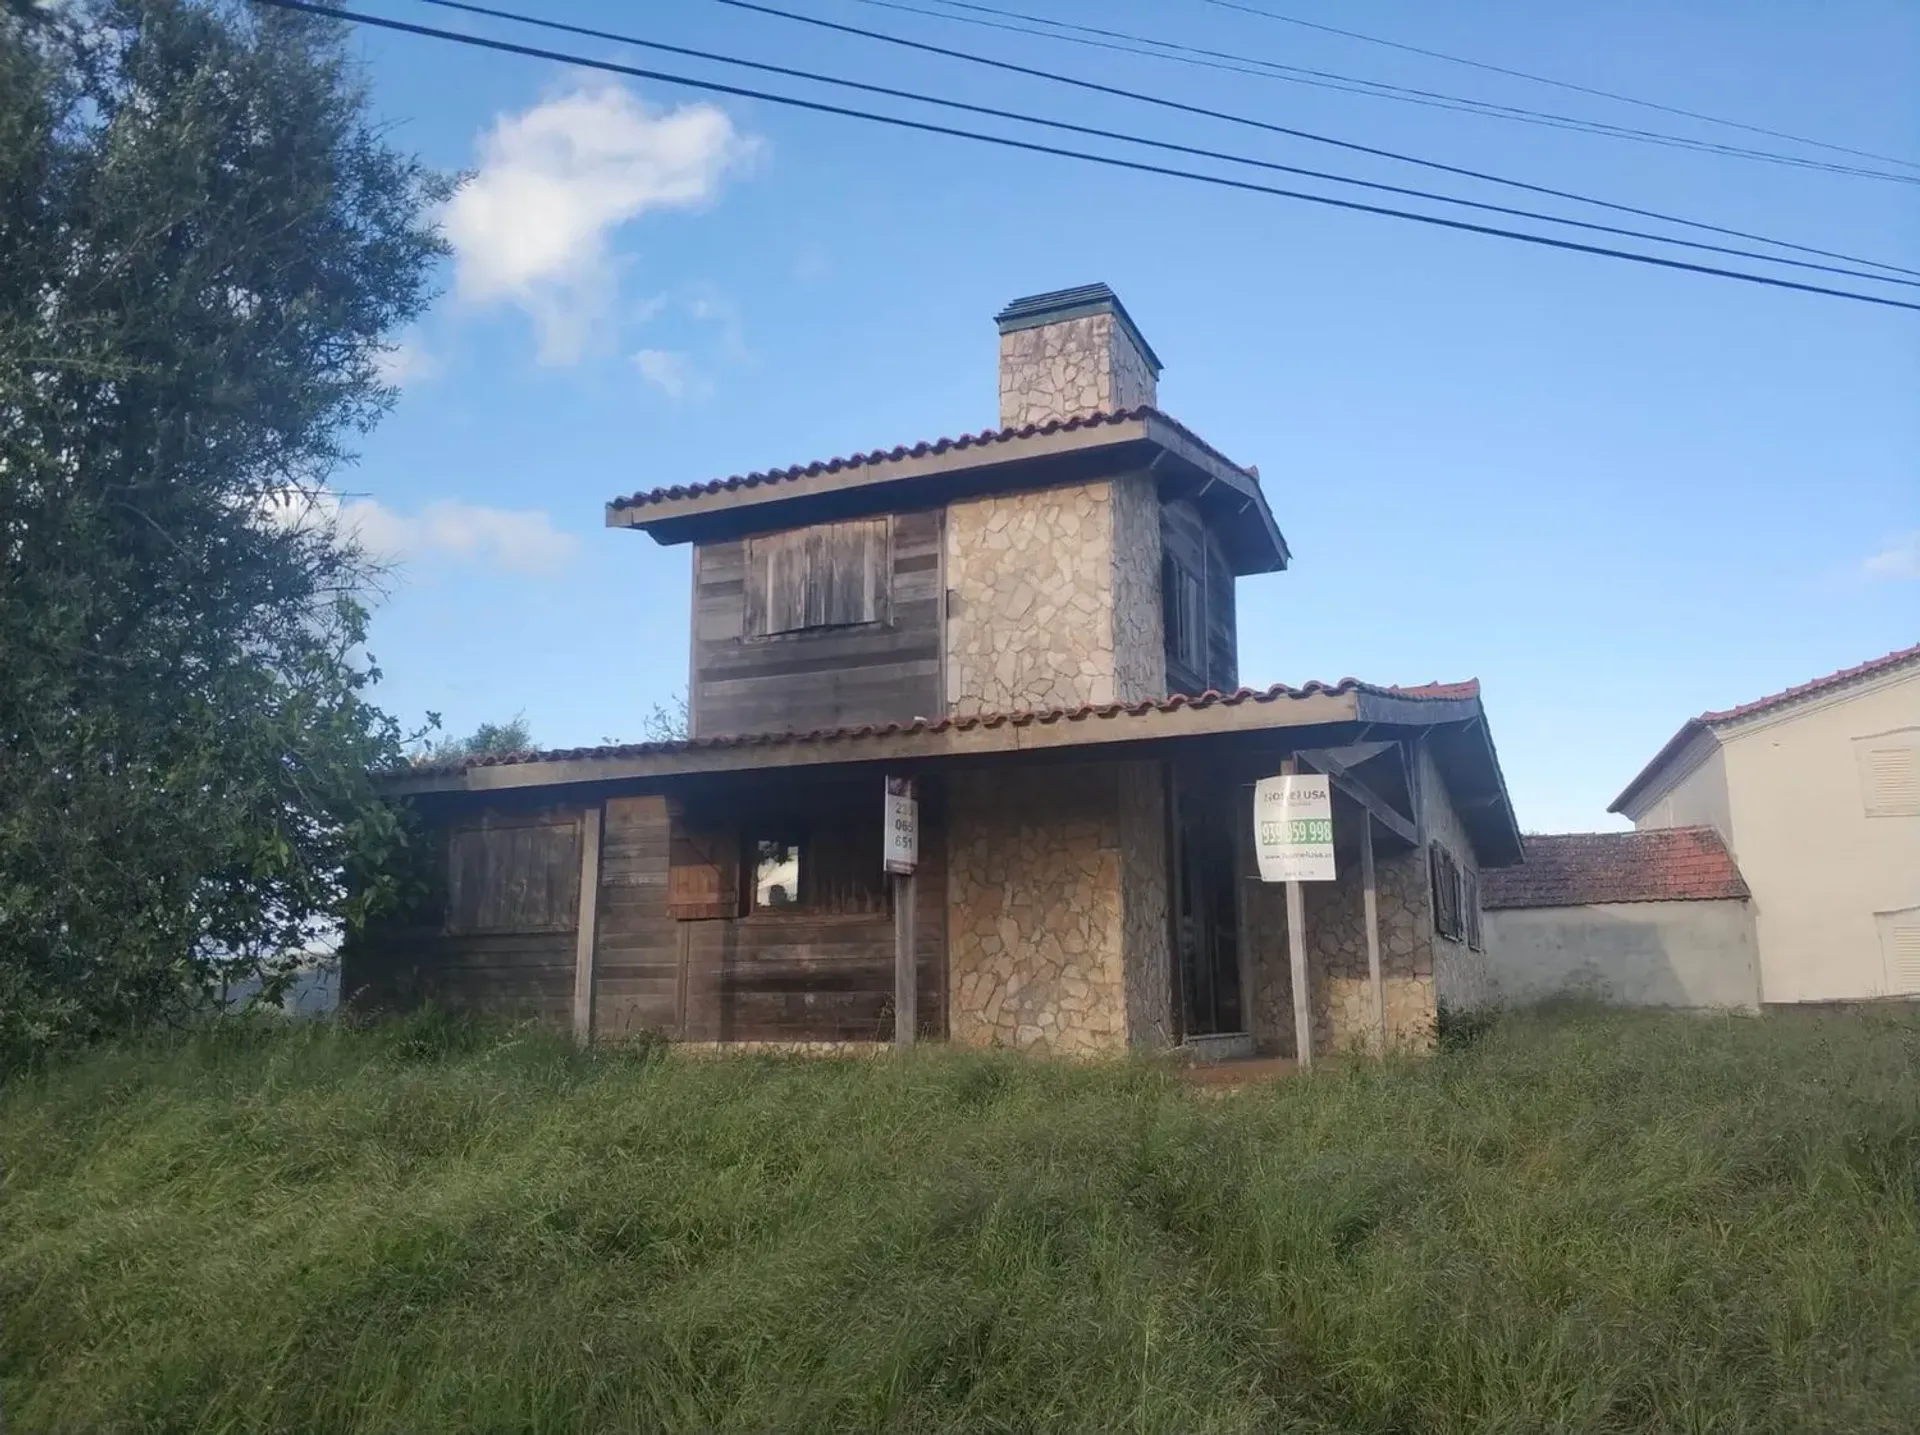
(1070, 353)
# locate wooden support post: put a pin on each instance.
(906, 984)
(1370, 897)
(589, 925)
(1297, 952)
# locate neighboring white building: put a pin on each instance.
(1816, 793)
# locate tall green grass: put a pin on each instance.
(1605, 1223)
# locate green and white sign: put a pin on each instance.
(1293, 828)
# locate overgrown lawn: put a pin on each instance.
(1586, 1222)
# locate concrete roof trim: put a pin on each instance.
(1772, 704)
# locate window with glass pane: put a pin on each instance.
(776, 873)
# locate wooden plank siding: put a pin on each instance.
(637, 957)
(525, 965)
(880, 671)
(776, 976)
(1186, 540)
(801, 976)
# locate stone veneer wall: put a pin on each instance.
(1056, 936)
(1054, 598)
(1144, 917)
(1422, 970)
(1030, 585)
(1139, 640)
(1339, 987)
(1078, 366)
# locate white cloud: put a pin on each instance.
(668, 371)
(513, 540)
(406, 361)
(534, 226)
(1899, 560)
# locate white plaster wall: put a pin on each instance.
(1818, 866)
(1659, 954)
(1698, 797)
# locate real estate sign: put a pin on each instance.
(1293, 828)
(900, 840)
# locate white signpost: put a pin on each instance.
(1293, 828)
(902, 832)
(1293, 840)
(900, 853)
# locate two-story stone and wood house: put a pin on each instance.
(1036, 624)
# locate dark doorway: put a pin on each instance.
(1206, 916)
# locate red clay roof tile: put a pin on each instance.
(1570, 869)
(919, 450)
(1429, 692)
(1817, 686)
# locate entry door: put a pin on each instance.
(1206, 916)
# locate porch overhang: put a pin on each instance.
(1273, 721)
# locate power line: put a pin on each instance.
(1290, 131)
(1034, 147)
(1353, 84)
(1197, 151)
(1560, 84)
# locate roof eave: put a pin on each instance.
(1648, 775)
(921, 741)
(1139, 441)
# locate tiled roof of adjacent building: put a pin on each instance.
(1571, 869)
(919, 450)
(1817, 686)
(1467, 691)
(1693, 727)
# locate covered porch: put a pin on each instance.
(1085, 882)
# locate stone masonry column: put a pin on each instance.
(1072, 353)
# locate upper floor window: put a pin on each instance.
(1184, 615)
(833, 575)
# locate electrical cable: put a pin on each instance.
(1290, 131)
(620, 38)
(1033, 147)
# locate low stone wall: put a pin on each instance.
(1056, 937)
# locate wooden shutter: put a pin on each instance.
(521, 876)
(703, 869)
(1446, 891)
(834, 575)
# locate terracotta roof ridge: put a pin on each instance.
(1707, 721)
(1814, 686)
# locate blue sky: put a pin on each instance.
(1617, 496)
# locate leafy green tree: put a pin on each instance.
(203, 240)
(490, 738)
